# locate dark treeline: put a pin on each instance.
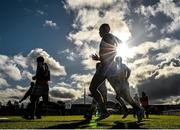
(59, 108)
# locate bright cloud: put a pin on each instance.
(156, 66)
(87, 23)
(3, 82)
(49, 23)
(167, 7)
(55, 67)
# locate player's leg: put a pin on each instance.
(32, 107)
(89, 114)
(147, 111)
(95, 83)
(117, 87)
(127, 97)
(38, 111)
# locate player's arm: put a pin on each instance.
(26, 94)
(39, 71)
(128, 73)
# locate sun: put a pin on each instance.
(124, 51)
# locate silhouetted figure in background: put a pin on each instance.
(41, 86)
(145, 103)
(30, 94)
(136, 99)
(119, 81)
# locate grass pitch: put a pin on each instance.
(77, 122)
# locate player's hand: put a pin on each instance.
(95, 57)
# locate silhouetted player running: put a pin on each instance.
(30, 93)
(145, 103)
(119, 81)
(103, 90)
(42, 88)
(107, 53)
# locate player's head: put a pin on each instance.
(118, 59)
(40, 59)
(143, 94)
(97, 65)
(104, 29)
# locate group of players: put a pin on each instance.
(109, 67)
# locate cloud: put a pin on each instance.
(156, 67)
(88, 18)
(50, 23)
(18, 66)
(85, 54)
(3, 82)
(20, 60)
(163, 87)
(27, 75)
(169, 8)
(77, 4)
(81, 81)
(169, 100)
(9, 68)
(65, 91)
(70, 54)
(82, 78)
(9, 94)
(55, 67)
(40, 12)
(149, 55)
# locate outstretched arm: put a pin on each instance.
(26, 94)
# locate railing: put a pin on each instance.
(172, 112)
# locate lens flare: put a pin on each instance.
(124, 51)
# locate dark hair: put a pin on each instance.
(143, 94)
(40, 59)
(105, 27)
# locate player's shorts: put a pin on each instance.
(40, 90)
(107, 70)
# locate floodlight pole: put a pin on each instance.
(84, 95)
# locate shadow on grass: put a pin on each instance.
(86, 124)
(76, 124)
(127, 125)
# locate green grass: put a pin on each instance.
(114, 121)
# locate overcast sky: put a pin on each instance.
(65, 33)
